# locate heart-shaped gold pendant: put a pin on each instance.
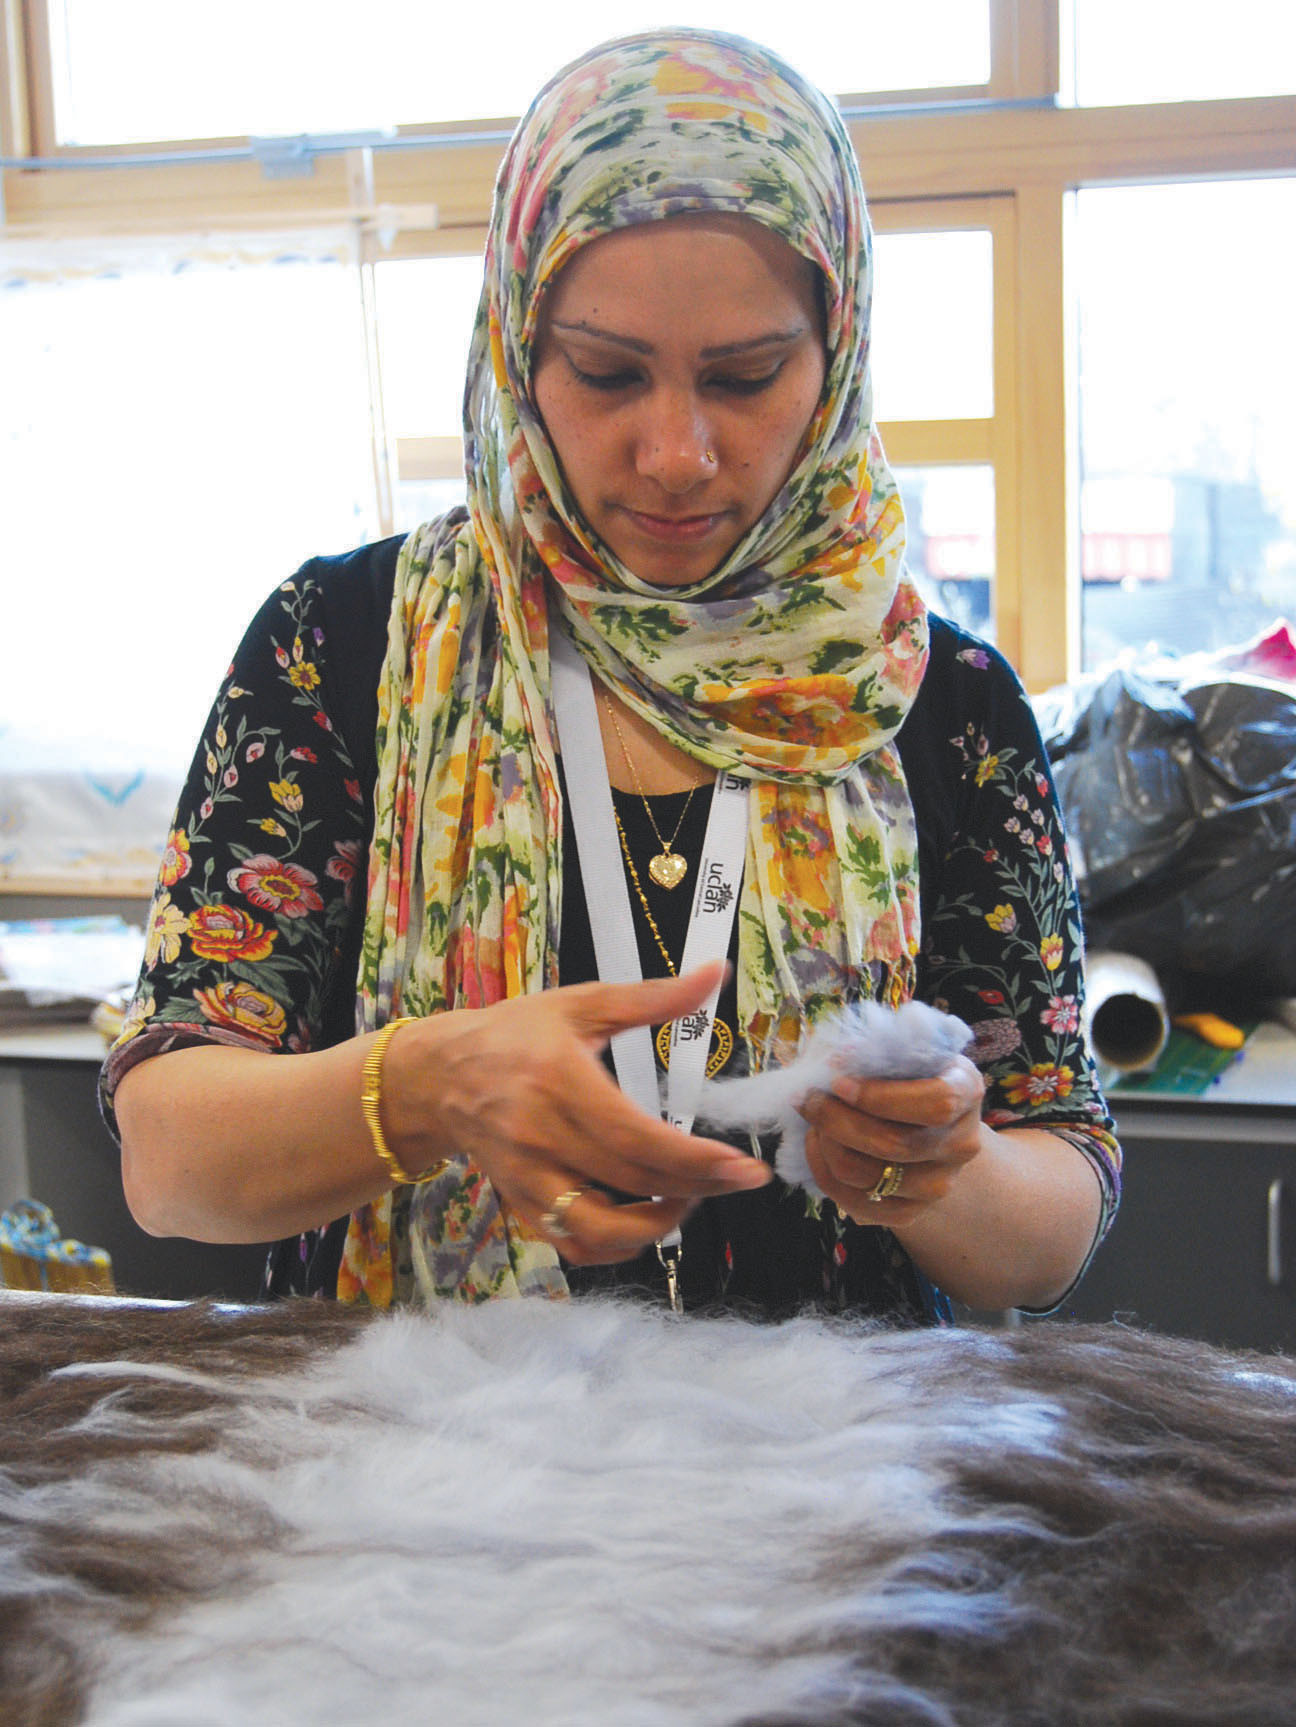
(668, 869)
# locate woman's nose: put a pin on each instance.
(675, 445)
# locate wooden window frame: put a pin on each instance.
(1012, 150)
(1023, 65)
(996, 440)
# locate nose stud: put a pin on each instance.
(709, 457)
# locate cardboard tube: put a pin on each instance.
(1125, 1010)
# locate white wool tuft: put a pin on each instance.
(863, 1041)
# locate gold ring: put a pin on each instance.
(552, 1221)
(888, 1183)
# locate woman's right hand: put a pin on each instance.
(521, 1089)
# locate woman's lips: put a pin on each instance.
(674, 530)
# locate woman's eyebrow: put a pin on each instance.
(775, 339)
(722, 351)
(581, 328)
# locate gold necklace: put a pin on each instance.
(667, 868)
(721, 1035)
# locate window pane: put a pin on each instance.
(152, 69)
(418, 501)
(933, 326)
(950, 517)
(1148, 51)
(426, 308)
(172, 446)
(1188, 444)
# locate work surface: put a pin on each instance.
(581, 1513)
(1261, 1074)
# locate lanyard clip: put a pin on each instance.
(669, 1256)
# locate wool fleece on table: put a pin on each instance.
(577, 1513)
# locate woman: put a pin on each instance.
(681, 576)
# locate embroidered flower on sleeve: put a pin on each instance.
(1051, 951)
(344, 863)
(286, 793)
(284, 888)
(138, 1014)
(992, 1039)
(1062, 1014)
(240, 1007)
(1045, 1083)
(224, 932)
(1003, 919)
(167, 924)
(175, 858)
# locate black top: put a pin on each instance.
(271, 834)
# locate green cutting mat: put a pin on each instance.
(1187, 1066)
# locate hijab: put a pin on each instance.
(792, 664)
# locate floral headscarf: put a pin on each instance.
(793, 664)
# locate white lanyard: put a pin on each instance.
(616, 952)
(710, 928)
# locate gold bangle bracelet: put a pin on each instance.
(371, 1104)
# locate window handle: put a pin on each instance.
(1277, 1205)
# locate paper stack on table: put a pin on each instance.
(55, 971)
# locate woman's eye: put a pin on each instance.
(745, 384)
(603, 380)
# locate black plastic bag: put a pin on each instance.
(1180, 804)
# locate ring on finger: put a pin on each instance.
(888, 1183)
(554, 1221)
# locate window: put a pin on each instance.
(933, 324)
(1148, 51)
(943, 368)
(137, 70)
(1188, 452)
(950, 521)
(173, 443)
(1082, 343)
(426, 308)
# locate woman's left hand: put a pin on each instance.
(928, 1129)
